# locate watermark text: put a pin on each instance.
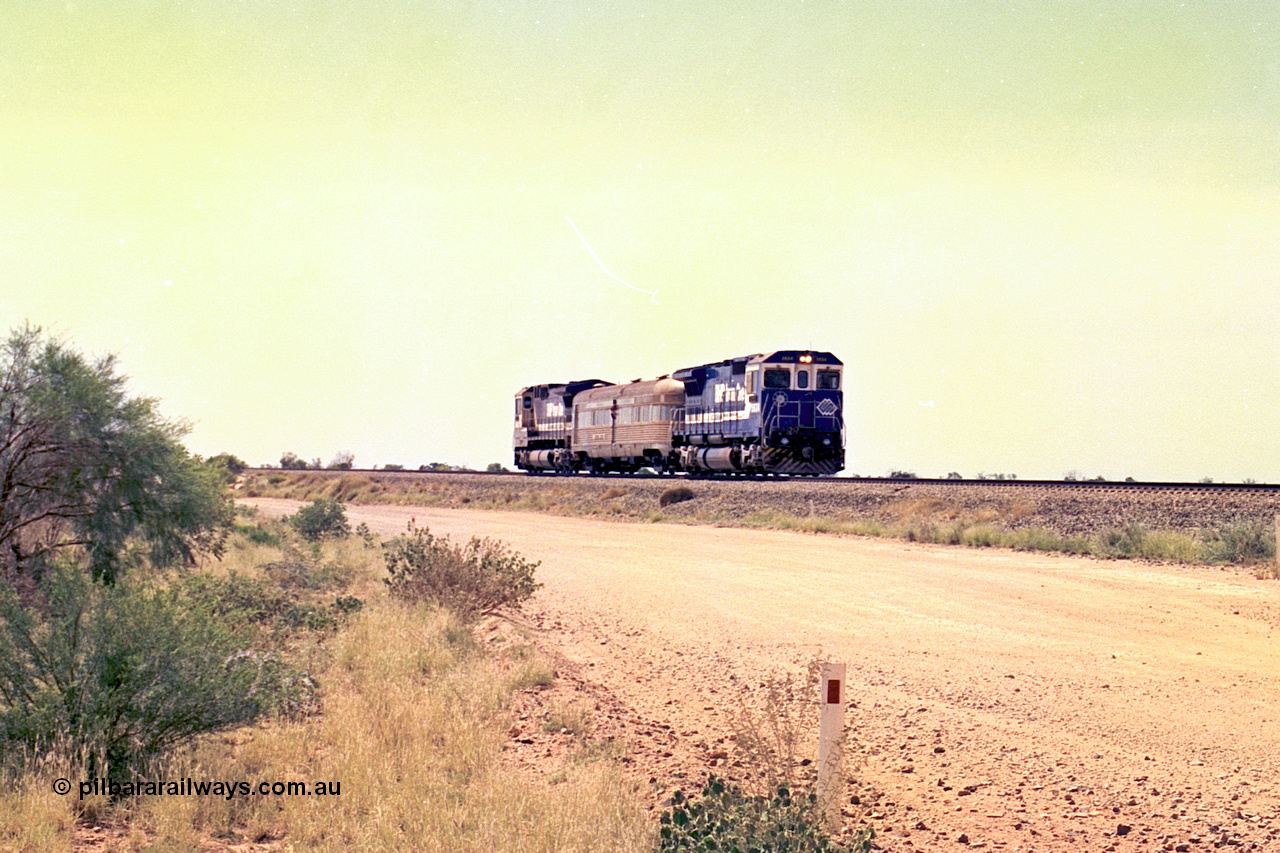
(188, 787)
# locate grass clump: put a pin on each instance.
(1120, 543)
(1042, 539)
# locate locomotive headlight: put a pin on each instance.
(806, 359)
(786, 441)
(827, 442)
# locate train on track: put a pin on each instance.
(762, 414)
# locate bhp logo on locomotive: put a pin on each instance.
(730, 394)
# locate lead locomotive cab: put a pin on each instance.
(774, 413)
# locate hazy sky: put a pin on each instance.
(1043, 236)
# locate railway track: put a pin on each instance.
(1089, 486)
(1065, 507)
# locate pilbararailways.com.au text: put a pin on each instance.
(190, 788)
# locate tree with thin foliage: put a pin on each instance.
(343, 460)
(87, 469)
(95, 662)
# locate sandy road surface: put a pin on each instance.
(1024, 702)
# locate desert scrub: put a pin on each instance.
(1241, 542)
(473, 579)
(415, 718)
(119, 674)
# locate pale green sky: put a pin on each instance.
(1042, 236)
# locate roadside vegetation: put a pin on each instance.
(149, 633)
(394, 694)
(1241, 542)
(396, 702)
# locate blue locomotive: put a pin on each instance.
(776, 413)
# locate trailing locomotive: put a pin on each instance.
(776, 413)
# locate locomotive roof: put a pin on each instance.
(659, 386)
(569, 388)
(785, 356)
(790, 355)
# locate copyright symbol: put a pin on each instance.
(62, 786)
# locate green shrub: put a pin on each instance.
(675, 495)
(236, 599)
(258, 534)
(724, 818)
(473, 579)
(1241, 542)
(1121, 543)
(323, 519)
(268, 605)
(119, 673)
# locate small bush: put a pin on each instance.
(675, 495)
(1121, 543)
(1241, 542)
(473, 579)
(724, 818)
(323, 519)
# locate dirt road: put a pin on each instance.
(1004, 700)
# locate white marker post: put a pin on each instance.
(831, 742)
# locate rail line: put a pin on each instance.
(1009, 483)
